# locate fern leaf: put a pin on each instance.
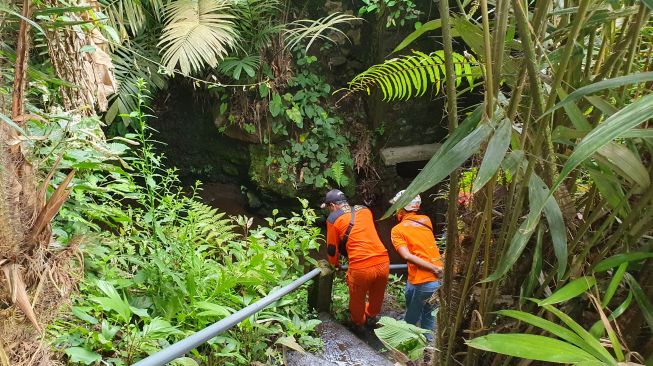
(409, 76)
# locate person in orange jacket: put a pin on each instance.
(351, 232)
(413, 239)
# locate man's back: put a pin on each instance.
(364, 247)
(415, 232)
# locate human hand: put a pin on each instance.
(437, 271)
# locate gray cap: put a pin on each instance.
(334, 195)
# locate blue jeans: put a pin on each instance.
(417, 307)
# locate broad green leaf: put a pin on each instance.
(82, 355)
(569, 291)
(614, 284)
(470, 33)
(642, 300)
(532, 347)
(648, 3)
(618, 259)
(496, 151)
(553, 328)
(113, 301)
(624, 120)
(83, 315)
(625, 162)
(428, 26)
(604, 84)
(445, 161)
(594, 346)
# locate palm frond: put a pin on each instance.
(234, 66)
(312, 30)
(138, 61)
(197, 33)
(132, 16)
(411, 75)
(256, 22)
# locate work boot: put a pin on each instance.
(371, 322)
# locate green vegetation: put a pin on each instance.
(171, 265)
(107, 256)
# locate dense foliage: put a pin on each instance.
(170, 265)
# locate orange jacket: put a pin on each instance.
(364, 248)
(416, 232)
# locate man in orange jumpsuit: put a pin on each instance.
(351, 232)
(413, 238)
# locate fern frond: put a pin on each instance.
(197, 33)
(410, 76)
(210, 226)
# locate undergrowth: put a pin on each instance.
(169, 265)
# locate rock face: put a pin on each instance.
(206, 146)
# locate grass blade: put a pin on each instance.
(614, 284)
(618, 259)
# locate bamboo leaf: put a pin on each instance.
(602, 104)
(557, 227)
(620, 122)
(540, 198)
(595, 347)
(536, 268)
(569, 291)
(533, 347)
(614, 284)
(553, 328)
(625, 162)
(598, 328)
(618, 259)
(454, 152)
(426, 27)
(642, 300)
(494, 154)
(648, 3)
(604, 84)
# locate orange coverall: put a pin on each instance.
(416, 232)
(369, 264)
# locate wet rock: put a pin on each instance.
(343, 348)
(294, 358)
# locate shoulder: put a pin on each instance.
(335, 215)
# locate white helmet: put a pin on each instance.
(412, 206)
